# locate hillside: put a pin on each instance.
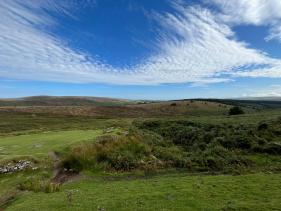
(118, 109)
(255, 103)
(138, 155)
(62, 101)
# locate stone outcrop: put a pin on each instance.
(14, 167)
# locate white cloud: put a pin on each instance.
(254, 12)
(275, 33)
(270, 91)
(206, 48)
(194, 46)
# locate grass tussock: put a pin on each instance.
(39, 186)
(121, 153)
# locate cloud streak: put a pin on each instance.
(252, 12)
(195, 45)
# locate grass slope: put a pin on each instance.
(174, 192)
(39, 145)
(13, 123)
(147, 110)
(258, 103)
(63, 101)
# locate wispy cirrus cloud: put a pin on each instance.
(253, 12)
(207, 49)
(194, 45)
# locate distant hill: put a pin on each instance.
(256, 103)
(63, 101)
(111, 108)
(140, 107)
(261, 98)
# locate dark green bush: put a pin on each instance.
(72, 162)
(243, 142)
(262, 126)
(127, 155)
(273, 148)
(236, 110)
(217, 158)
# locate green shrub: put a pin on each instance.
(72, 162)
(243, 142)
(262, 126)
(172, 156)
(120, 153)
(152, 145)
(217, 158)
(236, 110)
(273, 148)
(127, 155)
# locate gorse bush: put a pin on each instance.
(127, 154)
(193, 136)
(218, 158)
(152, 145)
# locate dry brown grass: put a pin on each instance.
(159, 109)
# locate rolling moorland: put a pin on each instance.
(85, 153)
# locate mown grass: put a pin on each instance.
(36, 147)
(39, 145)
(172, 192)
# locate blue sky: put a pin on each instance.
(140, 49)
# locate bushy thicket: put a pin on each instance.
(154, 145)
(137, 150)
(264, 137)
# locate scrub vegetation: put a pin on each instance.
(180, 155)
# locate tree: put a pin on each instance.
(236, 110)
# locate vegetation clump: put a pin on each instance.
(39, 186)
(177, 144)
(236, 110)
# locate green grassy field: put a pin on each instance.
(173, 192)
(33, 134)
(39, 145)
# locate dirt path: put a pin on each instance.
(61, 175)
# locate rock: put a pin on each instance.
(109, 130)
(37, 145)
(19, 166)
